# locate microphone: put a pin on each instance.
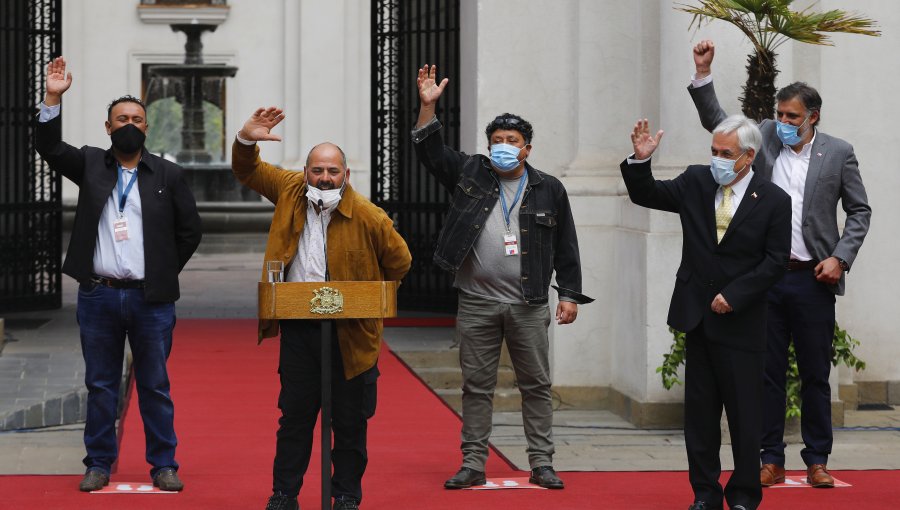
(324, 239)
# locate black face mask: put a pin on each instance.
(128, 139)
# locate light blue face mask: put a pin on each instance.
(789, 133)
(723, 170)
(505, 157)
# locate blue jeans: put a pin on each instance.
(105, 317)
(800, 309)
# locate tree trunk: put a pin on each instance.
(758, 101)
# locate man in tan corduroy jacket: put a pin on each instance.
(317, 211)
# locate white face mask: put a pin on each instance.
(325, 198)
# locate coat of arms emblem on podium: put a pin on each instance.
(326, 301)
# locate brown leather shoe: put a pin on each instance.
(818, 477)
(770, 474)
(94, 480)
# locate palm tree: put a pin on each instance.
(769, 24)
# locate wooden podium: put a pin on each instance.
(327, 301)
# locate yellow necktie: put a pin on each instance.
(723, 212)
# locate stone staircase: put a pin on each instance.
(440, 371)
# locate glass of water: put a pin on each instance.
(275, 269)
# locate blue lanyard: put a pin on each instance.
(508, 210)
(123, 195)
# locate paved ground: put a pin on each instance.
(48, 363)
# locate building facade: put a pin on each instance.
(582, 72)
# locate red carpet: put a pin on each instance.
(225, 389)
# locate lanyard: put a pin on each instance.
(508, 210)
(123, 194)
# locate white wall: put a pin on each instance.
(860, 104)
(310, 57)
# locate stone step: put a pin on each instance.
(430, 359)
(451, 378)
(446, 358)
(505, 399)
(440, 371)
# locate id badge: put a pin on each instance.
(120, 229)
(510, 244)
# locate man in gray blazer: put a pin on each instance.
(816, 170)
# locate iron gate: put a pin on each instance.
(405, 35)
(30, 194)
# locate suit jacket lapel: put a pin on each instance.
(708, 194)
(816, 158)
(751, 198)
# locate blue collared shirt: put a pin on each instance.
(123, 260)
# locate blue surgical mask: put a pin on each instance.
(723, 170)
(788, 133)
(505, 157)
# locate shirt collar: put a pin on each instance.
(807, 147)
(742, 185)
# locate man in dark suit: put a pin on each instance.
(128, 199)
(816, 170)
(736, 237)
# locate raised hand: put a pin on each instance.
(259, 126)
(704, 52)
(58, 81)
(429, 90)
(644, 144)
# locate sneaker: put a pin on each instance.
(345, 503)
(167, 479)
(465, 477)
(546, 477)
(281, 501)
(94, 480)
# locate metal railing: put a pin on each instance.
(30, 194)
(405, 35)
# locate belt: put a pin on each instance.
(799, 265)
(117, 284)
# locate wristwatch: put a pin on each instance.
(843, 263)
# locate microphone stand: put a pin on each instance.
(326, 385)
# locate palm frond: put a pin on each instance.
(768, 23)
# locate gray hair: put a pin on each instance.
(748, 133)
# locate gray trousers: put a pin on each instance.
(481, 326)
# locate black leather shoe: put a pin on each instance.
(546, 477)
(345, 504)
(167, 480)
(94, 480)
(279, 501)
(465, 477)
(703, 505)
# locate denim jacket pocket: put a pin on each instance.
(545, 219)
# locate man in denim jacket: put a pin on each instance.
(508, 229)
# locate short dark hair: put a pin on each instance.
(512, 122)
(124, 99)
(807, 95)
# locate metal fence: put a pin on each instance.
(30, 194)
(405, 35)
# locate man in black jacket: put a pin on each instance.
(508, 230)
(737, 235)
(136, 226)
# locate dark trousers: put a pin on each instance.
(353, 403)
(105, 317)
(717, 376)
(803, 309)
